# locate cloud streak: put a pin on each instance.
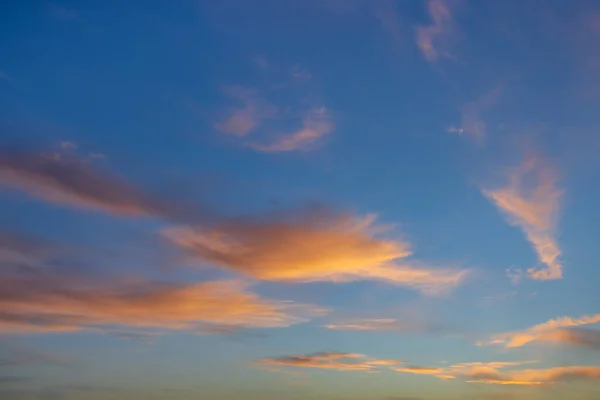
(311, 247)
(554, 330)
(274, 128)
(332, 361)
(536, 377)
(382, 324)
(365, 324)
(69, 181)
(504, 373)
(472, 123)
(316, 124)
(41, 300)
(531, 201)
(243, 119)
(435, 40)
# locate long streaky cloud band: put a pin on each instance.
(559, 330)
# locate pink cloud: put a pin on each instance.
(316, 124)
(435, 40)
(242, 120)
(531, 201)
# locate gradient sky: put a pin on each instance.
(303, 199)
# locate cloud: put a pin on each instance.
(38, 300)
(514, 274)
(420, 370)
(387, 14)
(282, 115)
(334, 361)
(531, 201)
(381, 324)
(534, 377)
(69, 181)
(472, 123)
(311, 247)
(496, 372)
(365, 324)
(472, 371)
(242, 120)
(589, 338)
(553, 331)
(435, 40)
(316, 124)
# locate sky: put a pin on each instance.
(301, 199)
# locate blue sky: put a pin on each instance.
(318, 199)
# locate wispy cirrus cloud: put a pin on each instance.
(531, 201)
(496, 372)
(506, 373)
(312, 247)
(51, 304)
(328, 360)
(454, 371)
(536, 377)
(555, 330)
(437, 39)
(387, 14)
(252, 110)
(365, 324)
(472, 121)
(316, 124)
(35, 297)
(68, 180)
(282, 116)
(420, 370)
(382, 324)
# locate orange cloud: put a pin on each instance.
(435, 41)
(420, 370)
(552, 330)
(461, 369)
(315, 247)
(334, 361)
(534, 377)
(242, 120)
(503, 373)
(41, 301)
(531, 202)
(68, 181)
(316, 124)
